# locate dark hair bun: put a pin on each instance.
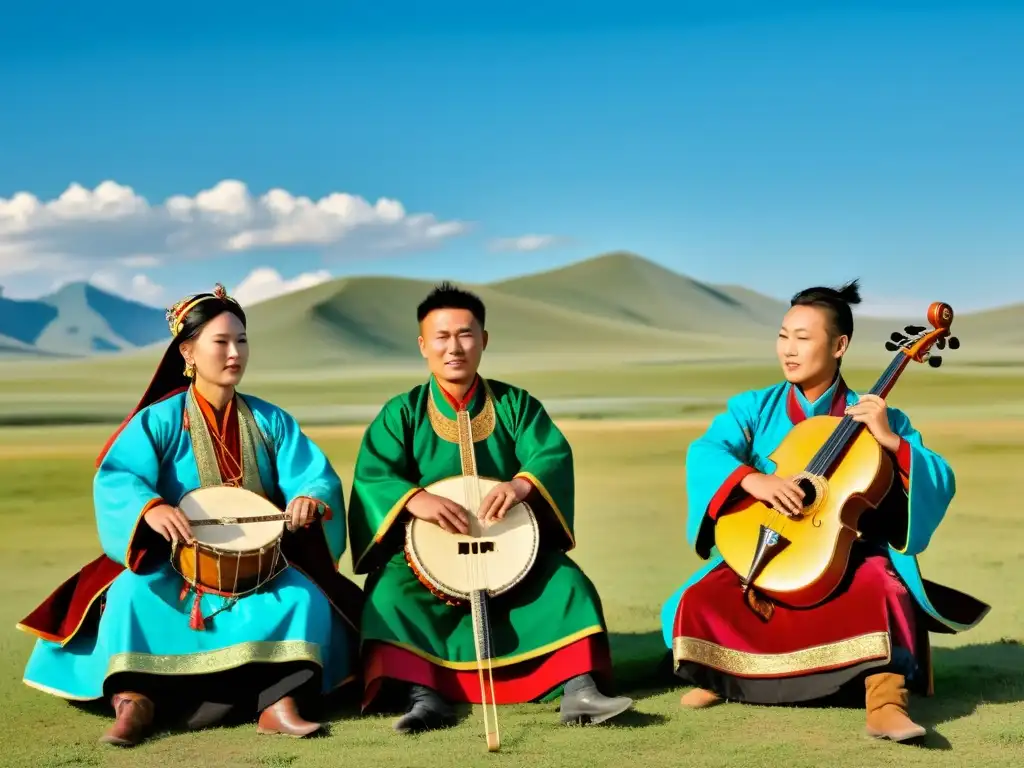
(849, 293)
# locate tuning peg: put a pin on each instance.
(954, 342)
(891, 347)
(898, 337)
(934, 362)
(913, 330)
(941, 343)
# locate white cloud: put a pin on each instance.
(139, 287)
(526, 243)
(112, 223)
(266, 283)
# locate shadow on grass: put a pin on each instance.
(972, 675)
(965, 678)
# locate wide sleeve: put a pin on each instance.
(930, 485)
(382, 483)
(546, 461)
(304, 471)
(716, 462)
(125, 488)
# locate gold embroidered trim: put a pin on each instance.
(386, 524)
(206, 455)
(551, 503)
(467, 456)
(500, 661)
(220, 660)
(874, 645)
(448, 429)
(248, 433)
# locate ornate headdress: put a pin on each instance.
(176, 314)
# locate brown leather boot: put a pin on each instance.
(283, 717)
(886, 701)
(698, 698)
(134, 713)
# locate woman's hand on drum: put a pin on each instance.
(170, 522)
(502, 498)
(439, 510)
(303, 512)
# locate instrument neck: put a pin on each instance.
(847, 429)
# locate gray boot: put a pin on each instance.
(583, 703)
(427, 712)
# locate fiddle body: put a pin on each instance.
(843, 472)
(812, 563)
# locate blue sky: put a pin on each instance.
(770, 144)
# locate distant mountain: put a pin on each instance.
(616, 303)
(365, 319)
(632, 289)
(627, 288)
(79, 320)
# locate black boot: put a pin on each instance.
(427, 712)
(583, 703)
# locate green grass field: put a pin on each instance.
(629, 523)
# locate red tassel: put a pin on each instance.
(184, 591)
(196, 620)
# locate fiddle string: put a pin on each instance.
(481, 580)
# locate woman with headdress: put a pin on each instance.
(128, 627)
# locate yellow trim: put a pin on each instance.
(220, 660)
(551, 503)
(58, 693)
(71, 697)
(504, 661)
(874, 645)
(909, 491)
(386, 524)
(71, 635)
(154, 502)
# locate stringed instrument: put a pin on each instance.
(842, 471)
(473, 568)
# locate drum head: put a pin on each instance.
(218, 502)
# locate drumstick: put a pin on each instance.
(238, 520)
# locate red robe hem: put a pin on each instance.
(514, 684)
(65, 612)
(715, 627)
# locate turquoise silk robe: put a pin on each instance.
(752, 427)
(144, 626)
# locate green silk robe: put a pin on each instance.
(546, 630)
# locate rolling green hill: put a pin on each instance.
(617, 306)
(370, 319)
(629, 289)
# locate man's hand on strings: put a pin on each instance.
(302, 511)
(439, 510)
(502, 498)
(783, 494)
(170, 522)
(872, 412)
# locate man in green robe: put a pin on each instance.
(548, 632)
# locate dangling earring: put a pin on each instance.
(190, 370)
